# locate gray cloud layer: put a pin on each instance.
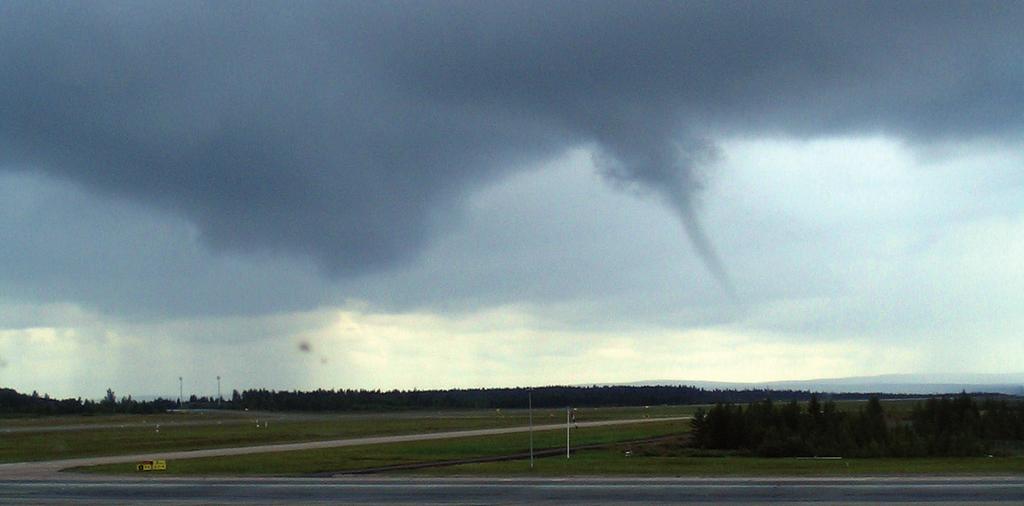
(63, 245)
(349, 132)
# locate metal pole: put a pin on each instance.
(218, 391)
(531, 427)
(181, 391)
(567, 432)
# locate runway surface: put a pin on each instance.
(934, 490)
(42, 470)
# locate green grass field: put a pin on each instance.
(27, 421)
(362, 457)
(191, 431)
(34, 438)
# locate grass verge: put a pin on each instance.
(614, 462)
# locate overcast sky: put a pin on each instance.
(450, 194)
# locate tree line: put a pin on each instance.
(12, 402)
(506, 398)
(944, 426)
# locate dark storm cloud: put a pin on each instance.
(119, 257)
(350, 131)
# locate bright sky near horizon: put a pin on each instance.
(442, 194)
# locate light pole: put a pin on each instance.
(567, 432)
(530, 397)
(181, 391)
(218, 391)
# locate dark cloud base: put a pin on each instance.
(348, 132)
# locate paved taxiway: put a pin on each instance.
(935, 490)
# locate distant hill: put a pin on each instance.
(923, 384)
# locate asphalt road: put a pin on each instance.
(45, 469)
(933, 490)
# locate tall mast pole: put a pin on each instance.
(531, 427)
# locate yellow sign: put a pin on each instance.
(151, 465)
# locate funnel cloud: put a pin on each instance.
(670, 170)
(426, 193)
(350, 133)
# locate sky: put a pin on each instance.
(423, 194)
